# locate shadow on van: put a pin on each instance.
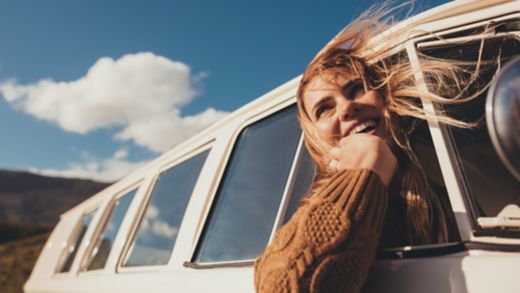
(434, 274)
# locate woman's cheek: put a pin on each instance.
(326, 130)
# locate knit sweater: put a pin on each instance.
(330, 243)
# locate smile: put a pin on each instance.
(364, 126)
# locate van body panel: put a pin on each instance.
(474, 271)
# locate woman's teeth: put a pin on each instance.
(363, 126)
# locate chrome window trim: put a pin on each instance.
(439, 250)
(421, 251)
(213, 265)
(440, 35)
(466, 39)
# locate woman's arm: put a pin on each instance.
(330, 243)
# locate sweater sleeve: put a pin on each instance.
(330, 243)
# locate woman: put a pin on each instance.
(356, 113)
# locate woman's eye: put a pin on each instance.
(354, 90)
(323, 109)
(357, 91)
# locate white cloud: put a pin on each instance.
(91, 167)
(121, 154)
(139, 94)
(163, 229)
(153, 224)
(161, 132)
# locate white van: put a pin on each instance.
(195, 219)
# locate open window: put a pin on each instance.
(488, 185)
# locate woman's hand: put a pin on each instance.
(365, 151)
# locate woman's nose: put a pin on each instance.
(346, 108)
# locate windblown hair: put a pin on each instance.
(350, 53)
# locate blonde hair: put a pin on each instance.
(350, 53)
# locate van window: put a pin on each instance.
(157, 230)
(490, 185)
(245, 207)
(303, 178)
(71, 249)
(104, 242)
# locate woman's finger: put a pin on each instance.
(335, 153)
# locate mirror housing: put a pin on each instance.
(503, 115)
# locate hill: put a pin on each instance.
(30, 205)
(17, 259)
(30, 199)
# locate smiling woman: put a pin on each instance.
(358, 114)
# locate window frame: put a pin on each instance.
(462, 205)
(472, 228)
(106, 214)
(247, 121)
(444, 151)
(207, 145)
(288, 190)
(97, 208)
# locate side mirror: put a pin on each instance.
(503, 115)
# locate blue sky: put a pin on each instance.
(83, 82)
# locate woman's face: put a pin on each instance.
(342, 107)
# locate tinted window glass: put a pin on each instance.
(303, 178)
(489, 183)
(157, 232)
(103, 245)
(72, 247)
(249, 195)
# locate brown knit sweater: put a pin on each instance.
(330, 243)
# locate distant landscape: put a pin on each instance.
(30, 206)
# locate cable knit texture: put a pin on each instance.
(330, 243)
